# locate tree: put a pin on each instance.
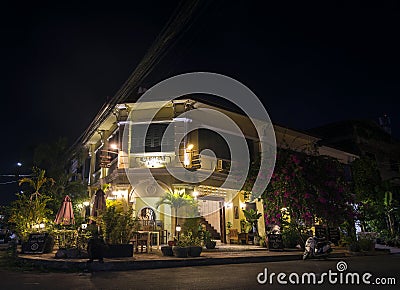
(30, 209)
(53, 158)
(366, 184)
(176, 200)
(37, 182)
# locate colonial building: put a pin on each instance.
(109, 161)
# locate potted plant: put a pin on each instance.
(167, 251)
(118, 224)
(208, 241)
(252, 217)
(195, 245)
(181, 250)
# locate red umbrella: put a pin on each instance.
(65, 215)
(99, 204)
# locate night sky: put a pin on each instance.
(310, 64)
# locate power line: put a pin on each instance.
(8, 182)
(14, 175)
(176, 25)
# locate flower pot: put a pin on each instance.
(118, 251)
(180, 252)
(61, 254)
(167, 251)
(72, 253)
(211, 244)
(195, 251)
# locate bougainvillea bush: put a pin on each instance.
(309, 188)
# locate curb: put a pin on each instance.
(157, 264)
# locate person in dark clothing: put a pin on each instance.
(95, 248)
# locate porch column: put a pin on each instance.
(92, 167)
(222, 221)
(104, 136)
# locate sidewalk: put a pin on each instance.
(222, 254)
(392, 250)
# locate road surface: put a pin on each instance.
(239, 276)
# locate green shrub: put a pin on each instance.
(366, 244)
(290, 238)
(118, 223)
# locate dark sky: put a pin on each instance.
(310, 63)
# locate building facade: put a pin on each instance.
(116, 156)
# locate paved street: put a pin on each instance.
(239, 276)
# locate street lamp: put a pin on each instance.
(178, 229)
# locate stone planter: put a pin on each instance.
(167, 251)
(180, 252)
(118, 251)
(211, 244)
(195, 251)
(72, 253)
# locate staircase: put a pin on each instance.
(214, 233)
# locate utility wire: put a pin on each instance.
(8, 182)
(13, 175)
(175, 26)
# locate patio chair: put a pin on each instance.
(233, 236)
(140, 240)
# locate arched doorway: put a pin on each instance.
(147, 217)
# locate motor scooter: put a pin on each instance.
(317, 248)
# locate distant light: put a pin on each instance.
(114, 146)
(85, 203)
(42, 226)
(228, 204)
(186, 159)
(189, 147)
(84, 226)
(19, 164)
(178, 228)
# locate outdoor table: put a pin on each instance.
(149, 234)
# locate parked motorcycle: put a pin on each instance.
(317, 248)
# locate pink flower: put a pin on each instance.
(295, 160)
